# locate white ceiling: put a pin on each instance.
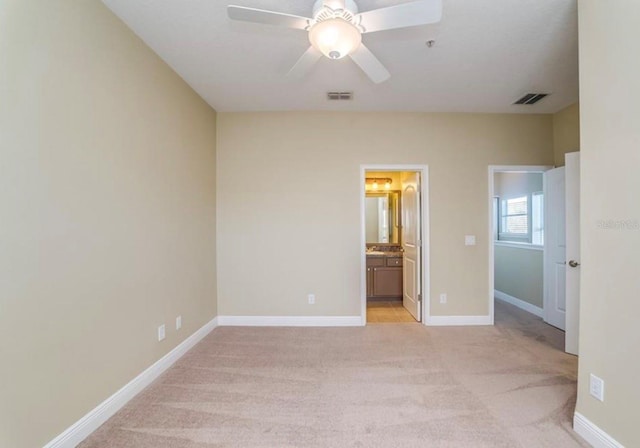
(488, 53)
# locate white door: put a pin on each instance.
(555, 249)
(411, 243)
(572, 175)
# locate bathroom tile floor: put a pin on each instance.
(388, 311)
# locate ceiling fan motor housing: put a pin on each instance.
(334, 31)
(349, 5)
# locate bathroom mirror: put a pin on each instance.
(382, 217)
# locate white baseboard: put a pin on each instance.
(290, 321)
(442, 321)
(519, 303)
(592, 434)
(79, 431)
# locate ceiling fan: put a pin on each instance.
(336, 29)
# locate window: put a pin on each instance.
(521, 219)
(515, 217)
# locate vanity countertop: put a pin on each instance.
(384, 254)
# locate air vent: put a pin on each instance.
(531, 98)
(339, 96)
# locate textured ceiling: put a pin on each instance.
(487, 54)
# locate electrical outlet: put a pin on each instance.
(443, 298)
(469, 240)
(178, 322)
(312, 299)
(596, 387)
(161, 332)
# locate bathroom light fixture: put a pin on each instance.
(376, 181)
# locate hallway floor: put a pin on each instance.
(387, 311)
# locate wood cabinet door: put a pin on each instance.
(387, 282)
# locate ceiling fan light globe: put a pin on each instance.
(335, 38)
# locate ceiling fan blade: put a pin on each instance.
(370, 64)
(415, 13)
(267, 17)
(304, 64)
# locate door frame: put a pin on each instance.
(426, 248)
(493, 169)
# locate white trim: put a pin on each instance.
(592, 433)
(81, 429)
(492, 170)
(426, 246)
(518, 302)
(289, 321)
(517, 245)
(439, 321)
(363, 252)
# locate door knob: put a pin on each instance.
(574, 264)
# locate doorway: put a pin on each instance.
(516, 237)
(394, 243)
(529, 211)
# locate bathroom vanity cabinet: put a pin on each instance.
(384, 276)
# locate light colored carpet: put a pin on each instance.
(395, 385)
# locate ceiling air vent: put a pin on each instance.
(339, 96)
(531, 98)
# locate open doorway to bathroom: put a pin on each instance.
(393, 205)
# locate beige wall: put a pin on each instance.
(107, 196)
(279, 241)
(566, 132)
(610, 157)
